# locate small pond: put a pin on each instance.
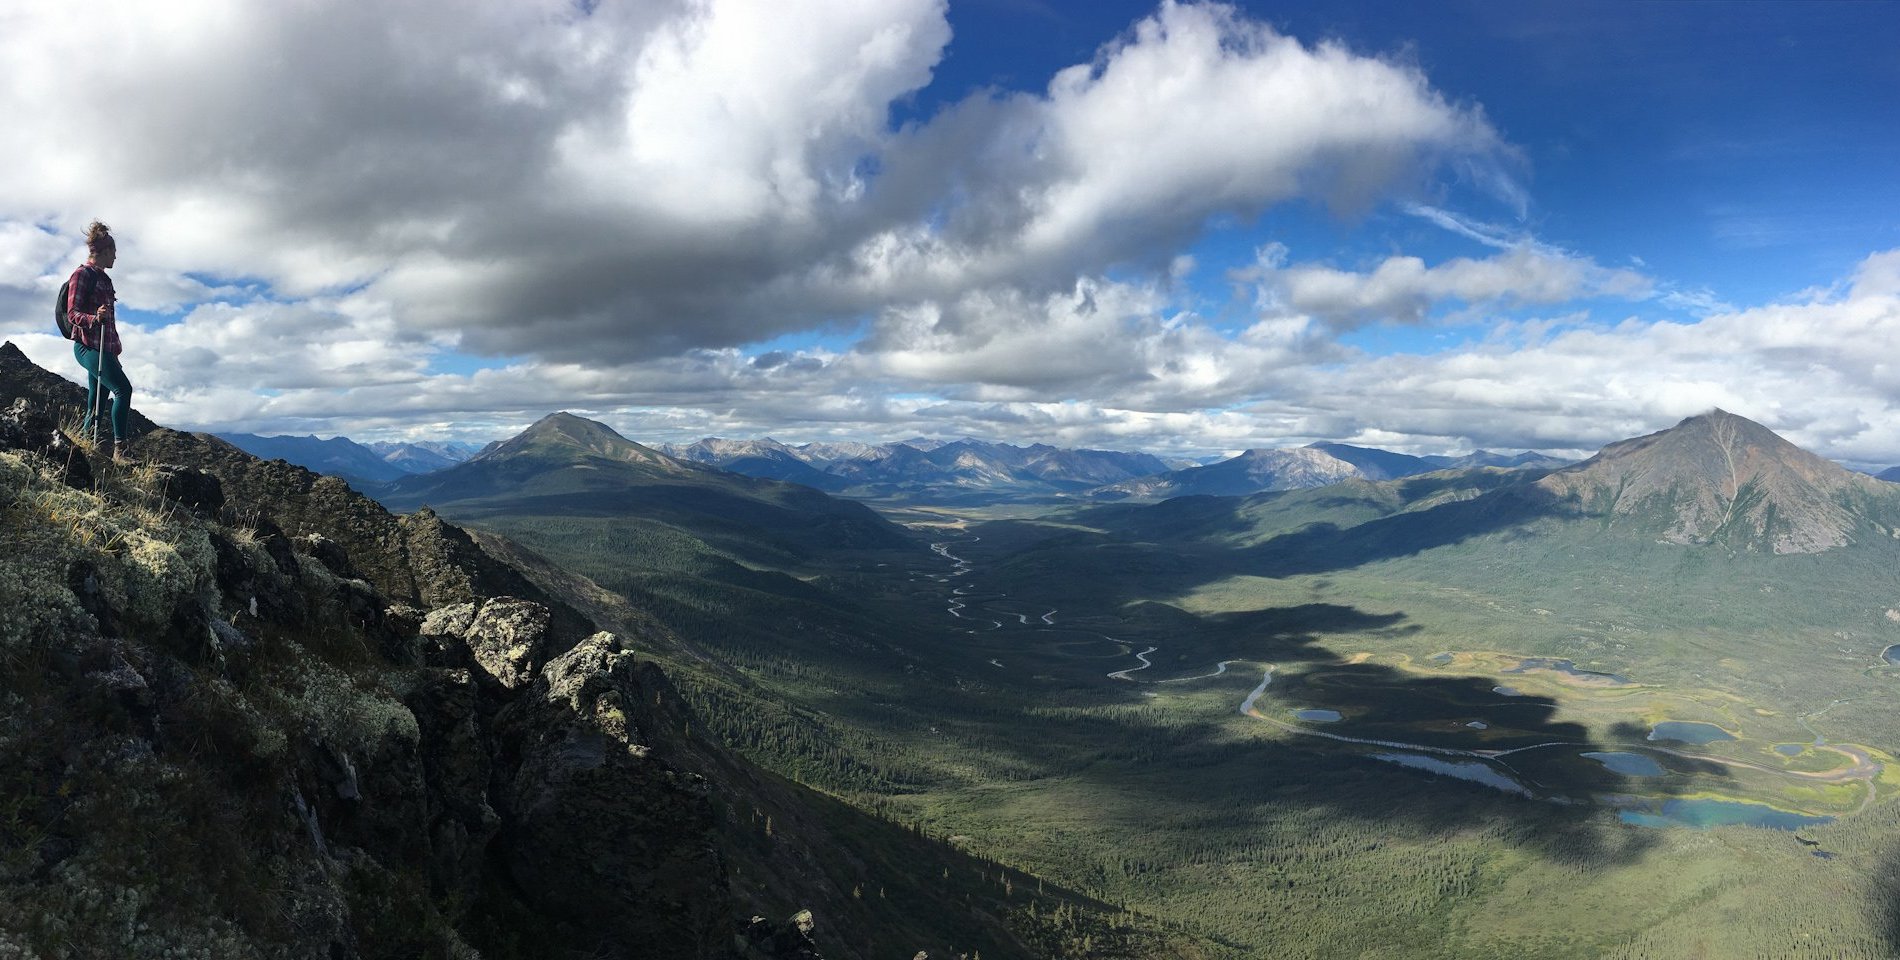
(1689, 731)
(1891, 654)
(1317, 716)
(1478, 725)
(1503, 691)
(1568, 668)
(1628, 764)
(1443, 658)
(1789, 749)
(1701, 814)
(1472, 770)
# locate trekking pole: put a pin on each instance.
(98, 384)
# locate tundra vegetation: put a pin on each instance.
(1063, 692)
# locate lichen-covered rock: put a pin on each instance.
(24, 427)
(190, 487)
(506, 636)
(639, 878)
(508, 639)
(73, 555)
(28, 426)
(451, 621)
(331, 554)
(795, 939)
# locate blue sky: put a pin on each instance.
(1181, 227)
(1747, 149)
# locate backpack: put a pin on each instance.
(59, 311)
(65, 323)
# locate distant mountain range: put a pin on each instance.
(363, 464)
(424, 456)
(1298, 468)
(567, 470)
(948, 471)
(974, 470)
(963, 471)
(955, 469)
(1714, 479)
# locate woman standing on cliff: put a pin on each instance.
(96, 335)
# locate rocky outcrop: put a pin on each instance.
(506, 636)
(246, 712)
(210, 752)
(795, 939)
(416, 559)
(636, 873)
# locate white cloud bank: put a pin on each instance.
(332, 200)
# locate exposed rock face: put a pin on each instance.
(507, 636)
(457, 815)
(792, 940)
(210, 723)
(637, 872)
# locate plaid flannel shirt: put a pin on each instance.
(87, 293)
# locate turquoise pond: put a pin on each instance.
(1701, 814)
(1689, 731)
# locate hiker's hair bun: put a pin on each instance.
(99, 235)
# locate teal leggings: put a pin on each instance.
(112, 377)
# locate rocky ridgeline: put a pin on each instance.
(244, 712)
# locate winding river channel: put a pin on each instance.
(1489, 768)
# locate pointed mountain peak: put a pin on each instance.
(1720, 477)
(1714, 439)
(1738, 427)
(570, 424)
(566, 436)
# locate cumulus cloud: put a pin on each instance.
(330, 213)
(610, 181)
(1815, 370)
(1198, 111)
(1402, 288)
(1100, 339)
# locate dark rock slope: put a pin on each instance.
(245, 712)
